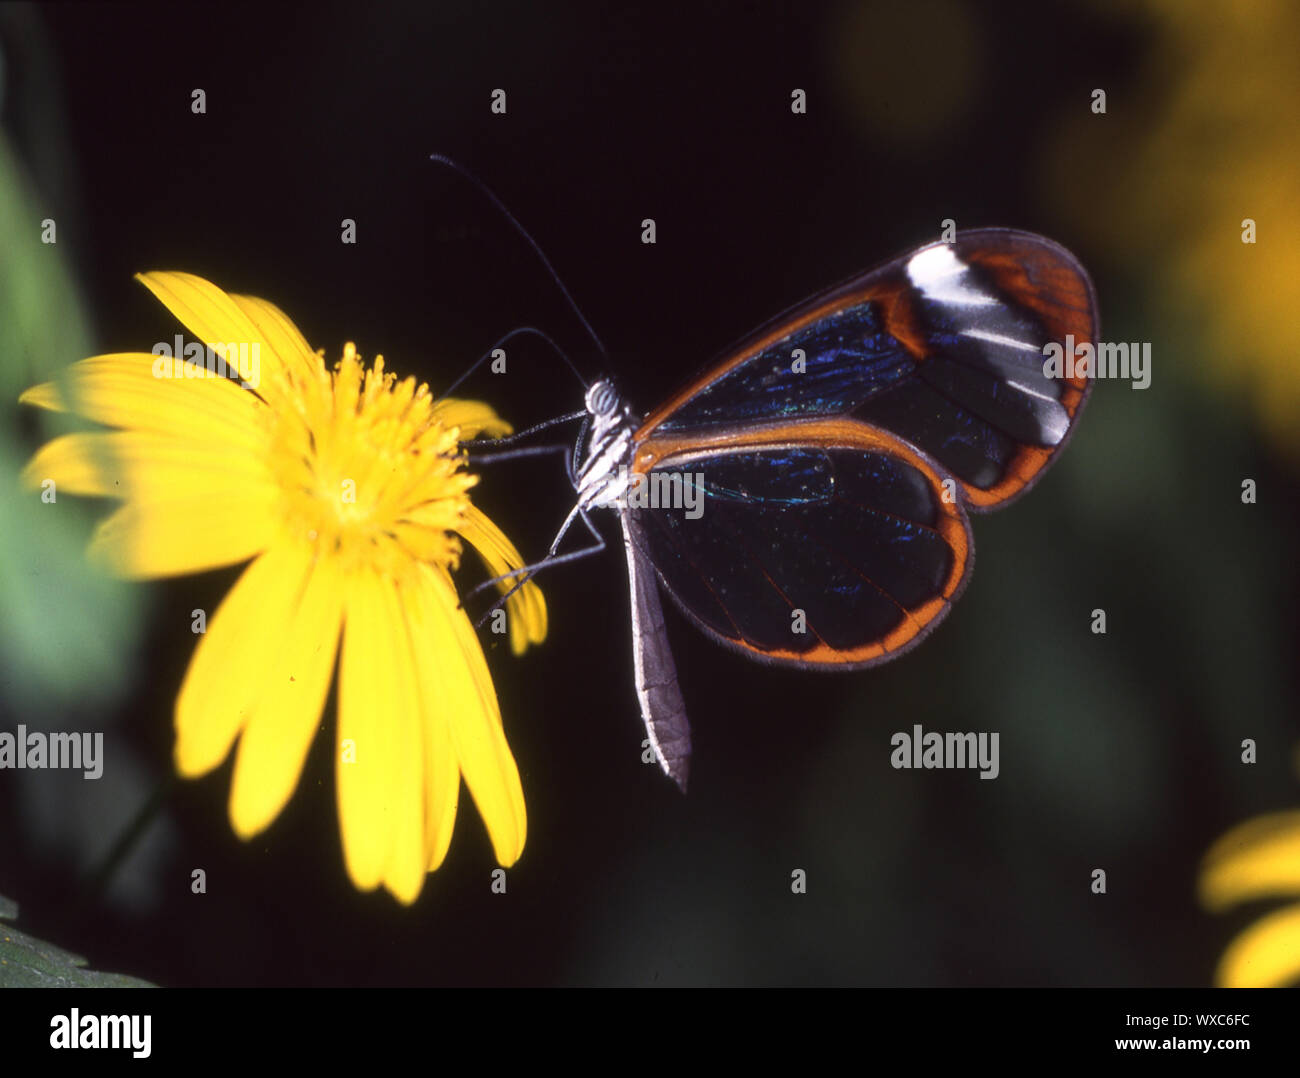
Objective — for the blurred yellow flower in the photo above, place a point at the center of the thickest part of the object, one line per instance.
(1259, 859)
(1203, 140)
(348, 490)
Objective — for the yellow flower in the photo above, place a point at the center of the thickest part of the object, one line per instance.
(1258, 859)
(348, 490)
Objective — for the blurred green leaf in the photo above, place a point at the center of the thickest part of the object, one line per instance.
(43, 326)
(67, 629)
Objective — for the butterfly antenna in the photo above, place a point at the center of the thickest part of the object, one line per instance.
(491, 196)
(518, 331)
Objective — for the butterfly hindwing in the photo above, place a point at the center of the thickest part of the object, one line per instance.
(838, 549)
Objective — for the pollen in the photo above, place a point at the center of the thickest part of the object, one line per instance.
(370, 475)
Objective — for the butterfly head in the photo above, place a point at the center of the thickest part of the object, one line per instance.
(603, 400)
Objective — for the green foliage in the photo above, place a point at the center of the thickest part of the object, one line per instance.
(27, 962)
(67, 629)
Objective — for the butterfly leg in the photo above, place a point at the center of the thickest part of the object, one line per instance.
(526, 572)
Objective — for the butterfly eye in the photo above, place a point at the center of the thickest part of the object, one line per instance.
(602, 400)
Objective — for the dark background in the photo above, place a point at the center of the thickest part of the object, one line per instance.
(1119, 752)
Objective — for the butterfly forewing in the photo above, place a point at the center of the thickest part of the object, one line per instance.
(943, 347)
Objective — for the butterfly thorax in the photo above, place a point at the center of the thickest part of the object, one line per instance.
(603, 476)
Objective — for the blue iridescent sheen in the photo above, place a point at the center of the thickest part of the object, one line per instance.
(849, 358)
(784, 476)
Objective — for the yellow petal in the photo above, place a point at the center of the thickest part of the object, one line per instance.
(287, 713)
(277, 330)
(472, 417)
(1266, 955)
(220, 320)
(1258, 859)
(288, 346)
(441, 770)
(232, 664)
(146, 466)
(527, 607)
(381, 754)
(445, 639)
(123, 390)
(187, 534)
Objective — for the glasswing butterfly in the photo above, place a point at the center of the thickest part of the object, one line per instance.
(835, 455)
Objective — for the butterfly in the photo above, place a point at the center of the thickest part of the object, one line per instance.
(806, 500)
